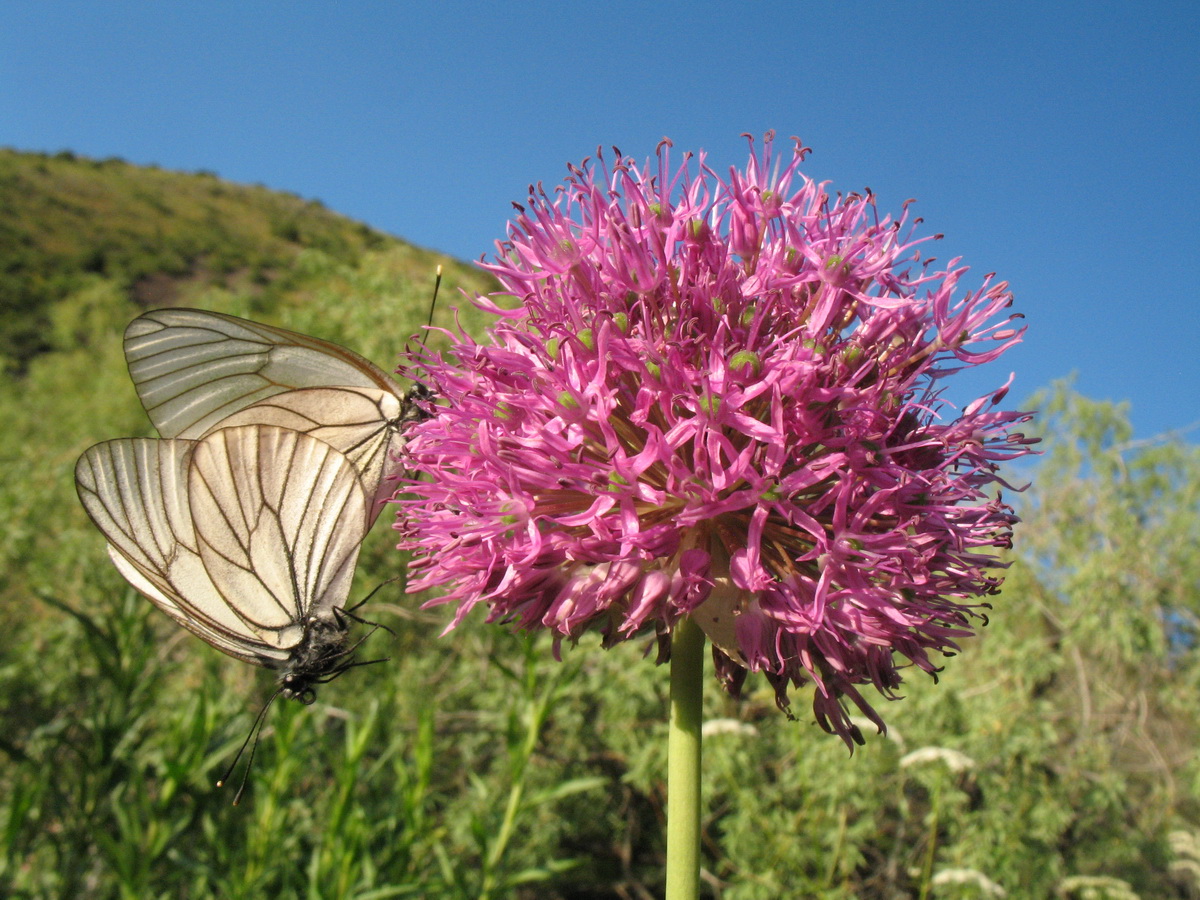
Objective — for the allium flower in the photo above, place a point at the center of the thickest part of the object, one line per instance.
(721, 399)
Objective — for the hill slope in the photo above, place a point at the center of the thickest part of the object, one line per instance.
(160, 238)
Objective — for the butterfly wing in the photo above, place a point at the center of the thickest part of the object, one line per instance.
(241, 537)
(361, 423)
(135, 491)
(279, 520)
(193, 368)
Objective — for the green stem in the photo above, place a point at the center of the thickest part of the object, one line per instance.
(683, 762)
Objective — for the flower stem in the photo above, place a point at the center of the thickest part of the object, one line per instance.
(683, 762)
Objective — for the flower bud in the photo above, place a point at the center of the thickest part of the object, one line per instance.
(746, 363)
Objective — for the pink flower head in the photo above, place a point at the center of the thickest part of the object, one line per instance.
(719, 398)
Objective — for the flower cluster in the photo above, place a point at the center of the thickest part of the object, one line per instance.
(720, 399)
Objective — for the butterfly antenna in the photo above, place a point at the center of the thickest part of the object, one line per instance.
(255, 731)
(437, 283)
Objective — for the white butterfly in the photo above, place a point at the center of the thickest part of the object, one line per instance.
(244, 523)
(247, 537)
(196, 371)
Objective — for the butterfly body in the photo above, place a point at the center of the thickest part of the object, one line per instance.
(323, 653)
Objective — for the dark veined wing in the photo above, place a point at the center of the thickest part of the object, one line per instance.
(361, 423)
(194, 368)
(247, 538)
(279, 520)
(135, 491)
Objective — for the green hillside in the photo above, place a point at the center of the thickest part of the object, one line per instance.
(72, 226)
(1055, 758)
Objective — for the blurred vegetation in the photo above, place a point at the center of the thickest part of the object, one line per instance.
(1054, 759)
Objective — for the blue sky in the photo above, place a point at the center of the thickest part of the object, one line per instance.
(1055, 144)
